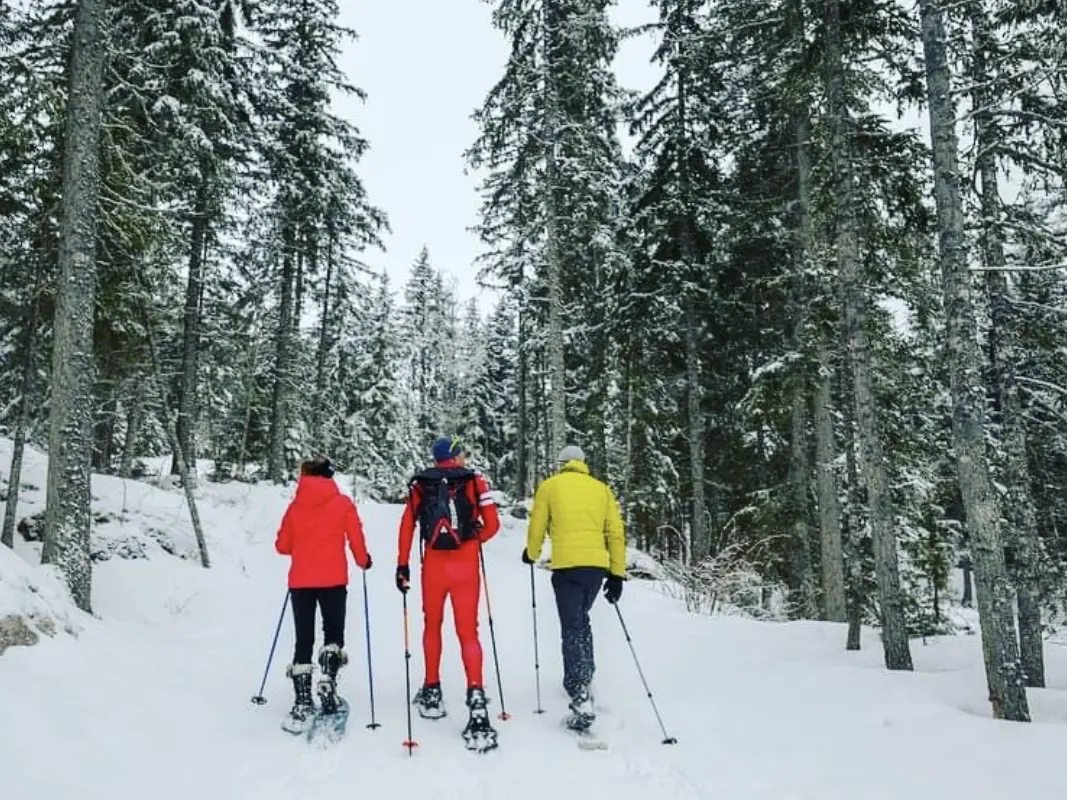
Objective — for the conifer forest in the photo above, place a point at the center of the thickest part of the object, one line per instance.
(803, 304)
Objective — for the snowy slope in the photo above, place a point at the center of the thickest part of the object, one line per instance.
(152, 697)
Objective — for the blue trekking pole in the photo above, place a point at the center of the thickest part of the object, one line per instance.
(370, 669)
(259, 699)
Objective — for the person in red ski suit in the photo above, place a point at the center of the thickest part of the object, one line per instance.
(317, 525)
(451, 571)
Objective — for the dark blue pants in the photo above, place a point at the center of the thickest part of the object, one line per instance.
(576, 589)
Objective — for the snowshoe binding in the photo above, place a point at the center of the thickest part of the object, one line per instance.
(302, 713)
(583, 714)
(479, 735)
(429, 701)
(331, 659)
(580, 719)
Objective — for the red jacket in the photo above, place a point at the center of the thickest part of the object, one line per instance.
(313, 534)
(487, 520)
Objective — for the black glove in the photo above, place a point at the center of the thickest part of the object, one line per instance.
(370, 562)
(613, 588)
(403, 578)
(526, 557)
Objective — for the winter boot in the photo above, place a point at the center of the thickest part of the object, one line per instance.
(331, 659)
(303, 710)
(479, 735)
(429, 702)
(583, 714)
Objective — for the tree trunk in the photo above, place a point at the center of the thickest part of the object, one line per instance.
(104, 427)
(872, 458)
(187, 390)
(7, 536)
(999, 644)
(1004, 356)
(521, 448)
(800, 571)
(695, 417)
(833, 574)
(171, 430)
(68, 517)
(276, 466)
(134, 415)
(968, 582)
(855, 589)
(320, 358)
(629, 459)
(555, 343)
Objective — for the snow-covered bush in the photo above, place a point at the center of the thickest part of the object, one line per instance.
(728, 582)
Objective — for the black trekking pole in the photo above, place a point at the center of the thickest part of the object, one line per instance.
(537, 659)
(492, 634)
(666, 739)
(259, 699)
(410, 742)
(370, 667)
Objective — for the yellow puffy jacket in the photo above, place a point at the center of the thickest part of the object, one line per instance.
(581, 516)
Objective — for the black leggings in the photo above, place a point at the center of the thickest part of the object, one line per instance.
(332, 601)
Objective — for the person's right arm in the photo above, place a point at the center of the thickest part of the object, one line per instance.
(407, 527)
(538, 529)
(615, 535)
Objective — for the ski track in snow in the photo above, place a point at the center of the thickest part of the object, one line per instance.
(153, 697)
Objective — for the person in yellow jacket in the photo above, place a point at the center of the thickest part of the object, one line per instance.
(581, 516)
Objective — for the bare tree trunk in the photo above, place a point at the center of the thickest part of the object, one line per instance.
(695, 418)
(276, 466)
(521, 448)
(7, 536)
(999, 644)
(187, 391)
(629, 460)
(68, 518)
(855, 590)
(832, 562)
(556, 346)
(320, 358)
(801, 583)
(1004, 356)
(872, 458)
(171, 429)
(134, 414)
(968, 583)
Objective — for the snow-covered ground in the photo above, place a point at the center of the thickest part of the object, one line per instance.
(151, 697)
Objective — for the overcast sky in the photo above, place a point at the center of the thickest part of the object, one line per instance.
(425, 66)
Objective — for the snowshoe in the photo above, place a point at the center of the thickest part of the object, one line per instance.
(300, 716)
(429, 701)
(329, 728)
(479, 735)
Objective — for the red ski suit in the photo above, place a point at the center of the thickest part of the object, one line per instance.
(314, 531)
(455, 573)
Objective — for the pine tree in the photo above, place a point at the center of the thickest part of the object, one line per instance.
(552, 195)
(310, 154)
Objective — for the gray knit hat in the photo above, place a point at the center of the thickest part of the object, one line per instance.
(571, 452)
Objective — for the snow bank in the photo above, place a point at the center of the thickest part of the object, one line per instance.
(33, 602)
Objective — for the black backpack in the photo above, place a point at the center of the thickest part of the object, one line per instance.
(446, 514)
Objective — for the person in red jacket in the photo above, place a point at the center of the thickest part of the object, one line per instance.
(454, 508)
(313, 533)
